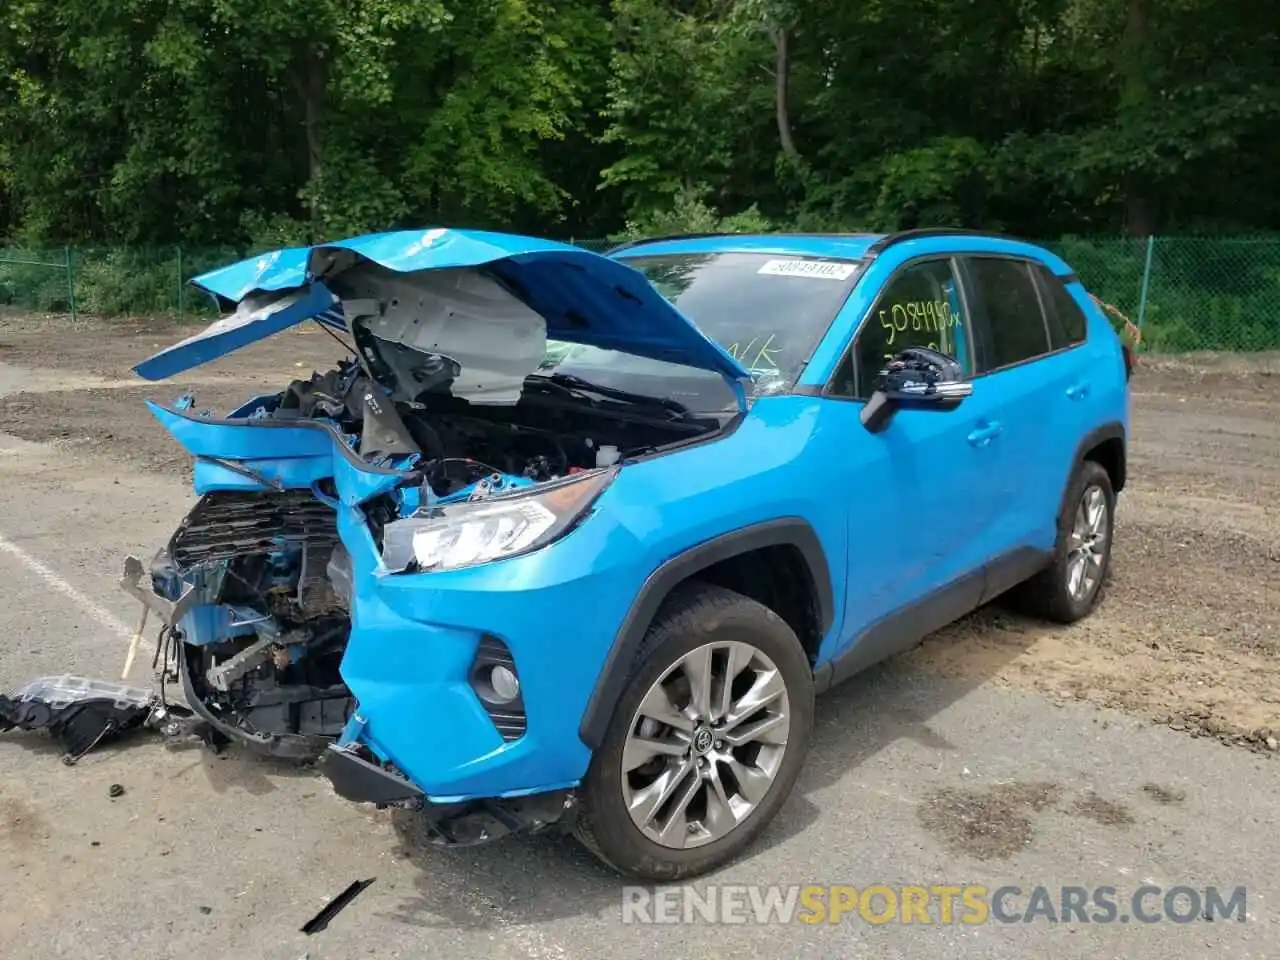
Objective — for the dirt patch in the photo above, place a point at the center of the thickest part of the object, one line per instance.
(110, 348)
(1167, 796)
(100, 405)
(1108, 813)
(991, 824)
(21, 827)
(1188, 631)
(114, 422)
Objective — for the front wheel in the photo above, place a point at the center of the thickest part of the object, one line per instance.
(706, 743)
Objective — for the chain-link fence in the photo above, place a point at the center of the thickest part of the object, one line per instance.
(1184, 293)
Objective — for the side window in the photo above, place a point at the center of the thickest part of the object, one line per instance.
(1016, 328)
(1066, 318)
(919, 308)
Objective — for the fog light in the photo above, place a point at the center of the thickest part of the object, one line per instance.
(504, 683)
(496, 684)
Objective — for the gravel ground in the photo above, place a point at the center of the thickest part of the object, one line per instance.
(1000, 752)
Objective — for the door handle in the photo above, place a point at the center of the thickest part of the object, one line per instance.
(1077, 391)
(984, 435)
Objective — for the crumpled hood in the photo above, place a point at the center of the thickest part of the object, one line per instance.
(577, 297)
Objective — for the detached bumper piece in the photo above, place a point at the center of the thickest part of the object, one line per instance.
(81, 712)
(361, 781)
(467, 824)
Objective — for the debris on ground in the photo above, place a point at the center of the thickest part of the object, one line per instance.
(115, 790)
(1162, 794)
(81, 712)
(335, 906)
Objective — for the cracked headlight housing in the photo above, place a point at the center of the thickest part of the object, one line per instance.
(466, 534)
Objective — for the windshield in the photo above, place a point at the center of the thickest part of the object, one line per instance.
(768, 311)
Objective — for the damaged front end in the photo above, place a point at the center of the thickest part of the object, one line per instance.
(247, 591)
(290, 609)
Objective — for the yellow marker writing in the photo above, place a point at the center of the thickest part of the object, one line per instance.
(764, 354)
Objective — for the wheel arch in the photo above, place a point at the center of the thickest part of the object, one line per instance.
(793, 533)
(1106, 446)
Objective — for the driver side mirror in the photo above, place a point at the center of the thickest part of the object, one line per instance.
(917, 378)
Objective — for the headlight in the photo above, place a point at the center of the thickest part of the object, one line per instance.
(465, 534)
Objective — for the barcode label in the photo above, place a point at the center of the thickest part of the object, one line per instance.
(813, 269)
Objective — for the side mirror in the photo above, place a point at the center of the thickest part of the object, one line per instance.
(916, 378)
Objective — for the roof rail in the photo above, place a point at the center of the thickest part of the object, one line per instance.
(876, 248)
(847, 235)
(671, 236)
(922, 233)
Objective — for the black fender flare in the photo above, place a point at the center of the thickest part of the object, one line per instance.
(786, 531)
(1114, 430)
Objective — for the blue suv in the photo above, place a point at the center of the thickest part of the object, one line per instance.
(572, 541)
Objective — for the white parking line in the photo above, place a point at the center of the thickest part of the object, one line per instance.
(100, 614)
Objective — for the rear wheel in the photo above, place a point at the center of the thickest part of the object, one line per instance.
(706, 743)
(1070, 589)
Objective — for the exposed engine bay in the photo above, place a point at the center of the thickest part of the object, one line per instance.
(266, 626)
(551, 432)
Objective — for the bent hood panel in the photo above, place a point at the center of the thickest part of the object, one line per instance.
(583, 297)
(294, 455)
(257, 316)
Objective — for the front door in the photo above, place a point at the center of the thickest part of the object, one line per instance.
(921, 493)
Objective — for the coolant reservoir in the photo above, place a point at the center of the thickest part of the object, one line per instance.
(607, 455)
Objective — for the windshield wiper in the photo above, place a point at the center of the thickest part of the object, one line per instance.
(581, 387)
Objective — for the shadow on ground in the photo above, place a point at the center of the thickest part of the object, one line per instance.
(537, 880)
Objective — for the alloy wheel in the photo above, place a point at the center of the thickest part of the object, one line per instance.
(705, 745)
(1087, 549)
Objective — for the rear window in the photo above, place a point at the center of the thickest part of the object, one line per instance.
(1067, 322)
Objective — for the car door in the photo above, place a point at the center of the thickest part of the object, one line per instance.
(1034, 374)
(920, 492)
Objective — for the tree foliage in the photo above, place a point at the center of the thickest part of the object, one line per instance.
(234, 122)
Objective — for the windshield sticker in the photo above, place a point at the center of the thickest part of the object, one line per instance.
(813, 269)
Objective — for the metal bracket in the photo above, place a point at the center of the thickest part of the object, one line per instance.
(222, 676)
(169, 612)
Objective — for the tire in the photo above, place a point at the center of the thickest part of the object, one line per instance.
(1049, 594)
(709, 834)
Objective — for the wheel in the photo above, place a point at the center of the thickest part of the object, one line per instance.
(706, 742)
(1070, 588)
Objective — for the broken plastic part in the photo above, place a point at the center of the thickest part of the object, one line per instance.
(335, 906)
(65, 690)
(79, 711)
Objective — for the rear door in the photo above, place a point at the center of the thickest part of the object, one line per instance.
(1033, 367)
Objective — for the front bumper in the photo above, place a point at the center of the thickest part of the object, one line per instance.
(462, 824)
(362, 781)
(416, 639)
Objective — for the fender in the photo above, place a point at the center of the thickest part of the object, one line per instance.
(786, 531)
(1113, 430)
